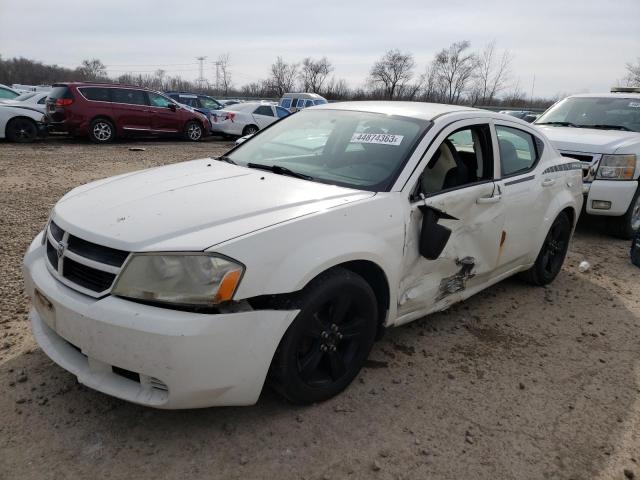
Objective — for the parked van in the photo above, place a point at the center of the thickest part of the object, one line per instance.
(107, 111)
(297, 101)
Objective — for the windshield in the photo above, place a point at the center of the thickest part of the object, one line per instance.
(353, 149)
(593, 112)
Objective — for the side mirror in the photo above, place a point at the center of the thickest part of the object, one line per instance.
(172, 107)
(433, 236)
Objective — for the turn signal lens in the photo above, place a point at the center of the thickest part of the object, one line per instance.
(228, 286)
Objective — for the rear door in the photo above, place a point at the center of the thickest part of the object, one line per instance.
(264, 116)
(164, 119)
(522, 189)
(130, 110)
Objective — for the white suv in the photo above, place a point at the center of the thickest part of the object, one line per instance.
(602, 131)
(185, 285)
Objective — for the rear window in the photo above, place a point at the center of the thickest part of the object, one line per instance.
(96, 93)
(129, 96)
(4, 93)
(61, 91)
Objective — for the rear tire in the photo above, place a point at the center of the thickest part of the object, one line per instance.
(329, 340)
(102, 130)
(249, 130)
(552, 254)
(21, 130)
(628, 224)
(193, 131)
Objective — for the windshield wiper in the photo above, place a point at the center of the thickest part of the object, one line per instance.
(277, 169)
(224, 158)
(562, 124)
(607, 127)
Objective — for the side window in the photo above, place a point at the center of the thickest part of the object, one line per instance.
(464, 158)
(43, 100)
(128, 95)
(285, 103)
(4, 93)
(157, 100)
(518, 152)
(308, 103)
(282, 112)
(190, 100)
(96, 94)
(300, 103)
(264, 110)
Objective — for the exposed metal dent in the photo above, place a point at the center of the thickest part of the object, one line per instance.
(458, 281)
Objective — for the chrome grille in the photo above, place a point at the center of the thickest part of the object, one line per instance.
(82, 265)
(589, 162)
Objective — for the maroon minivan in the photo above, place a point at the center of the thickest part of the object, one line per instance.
(106, 111)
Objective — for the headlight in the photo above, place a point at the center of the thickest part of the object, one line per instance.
(197, 279)
(617, 167)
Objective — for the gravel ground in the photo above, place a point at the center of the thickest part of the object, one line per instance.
(515, 383)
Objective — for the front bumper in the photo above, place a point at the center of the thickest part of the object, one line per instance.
(619, 192)
(152, 356)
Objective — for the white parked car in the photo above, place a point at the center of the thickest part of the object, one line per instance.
(245, 118)
(184, 285)
(602, 131)
(35, 100)
(22, 124)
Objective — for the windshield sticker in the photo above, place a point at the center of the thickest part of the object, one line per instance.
(377, 138)
(634, 104)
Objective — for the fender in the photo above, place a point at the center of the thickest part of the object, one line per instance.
(562, 200)
(285, 257)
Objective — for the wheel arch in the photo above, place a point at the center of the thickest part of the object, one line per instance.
(377, 279)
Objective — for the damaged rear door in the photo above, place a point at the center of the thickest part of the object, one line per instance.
(454, 186)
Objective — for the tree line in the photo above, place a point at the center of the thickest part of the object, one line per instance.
(456, 75)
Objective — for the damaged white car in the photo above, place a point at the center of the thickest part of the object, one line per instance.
(192, 284)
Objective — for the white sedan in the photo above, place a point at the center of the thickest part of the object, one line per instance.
(245, 118)
(22, 124)
(36, 100)
(183, 286)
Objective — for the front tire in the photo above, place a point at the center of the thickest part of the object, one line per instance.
(329, 340)
(552, 254)
(193, 131)
(628, 224)
(102, 130)
(22, 130)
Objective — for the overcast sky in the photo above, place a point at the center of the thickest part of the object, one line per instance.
(569, 45)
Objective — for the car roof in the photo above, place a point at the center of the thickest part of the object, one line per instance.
(421, 110)
(607, 95)
(303, 95)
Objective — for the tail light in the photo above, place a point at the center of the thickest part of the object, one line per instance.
(63, 102)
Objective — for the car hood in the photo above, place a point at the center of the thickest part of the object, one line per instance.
(190, 206)
(589, 140)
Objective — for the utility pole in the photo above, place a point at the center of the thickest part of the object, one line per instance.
(533, 85)
(201, 80)
(217, 64)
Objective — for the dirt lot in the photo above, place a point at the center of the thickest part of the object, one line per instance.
(516, 383)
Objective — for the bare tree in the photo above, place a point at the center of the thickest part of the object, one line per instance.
(223, 63)
(633, 74)
(283, 76)
(313, 73)
(92, 69)
(453, 69)
(492, 75)
(392, 73)
(337, 89)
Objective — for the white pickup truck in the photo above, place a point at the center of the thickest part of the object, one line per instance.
(602, 131)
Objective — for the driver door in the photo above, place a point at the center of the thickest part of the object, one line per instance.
(454, 184)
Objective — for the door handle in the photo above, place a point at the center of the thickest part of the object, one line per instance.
(486, 200)
(547, 182)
